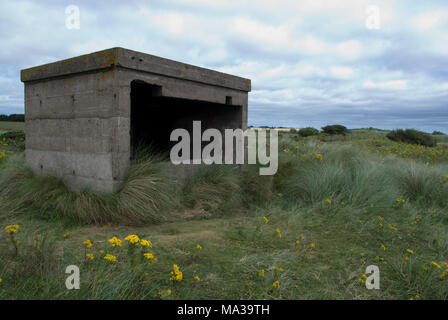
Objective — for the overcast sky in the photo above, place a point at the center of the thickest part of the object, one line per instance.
(311, 62)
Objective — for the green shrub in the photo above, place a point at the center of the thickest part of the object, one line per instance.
(335, 129)
(412, 136)
(438, 133)
(13, 135)
(308, 131)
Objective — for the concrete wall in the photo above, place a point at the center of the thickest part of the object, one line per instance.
(78, 111)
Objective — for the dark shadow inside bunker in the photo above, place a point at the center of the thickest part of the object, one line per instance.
(154, 117)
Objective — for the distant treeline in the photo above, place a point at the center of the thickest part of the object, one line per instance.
(12, 117)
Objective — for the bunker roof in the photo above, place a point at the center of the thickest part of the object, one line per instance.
(134, 60)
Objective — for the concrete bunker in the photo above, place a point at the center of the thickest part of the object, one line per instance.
(85, 117)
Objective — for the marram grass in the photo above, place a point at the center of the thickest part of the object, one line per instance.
(309, 232)
(148, 195)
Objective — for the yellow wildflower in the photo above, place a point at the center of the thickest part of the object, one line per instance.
(66, 235)
(278, 268)
(115, 241)
(435, 264)
(198, 246)
(176, 274)
(11, 229)
(410, 251)
(90, 256)
(276, 285)
(328, 201)
(383, 247)
(88, 243)
(110, 257)
(261, 273)
(278, 232)
(168, 292)
(265, 220)
(312, 245)
(150, 256)
(196, 277)
(146, 243)
(132, 239)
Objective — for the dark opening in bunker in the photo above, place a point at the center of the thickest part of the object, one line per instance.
(154, 117)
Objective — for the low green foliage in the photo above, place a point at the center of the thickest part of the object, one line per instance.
(412, 136)
(308, 131)
(335, 129)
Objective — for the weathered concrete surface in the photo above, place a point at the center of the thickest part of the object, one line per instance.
(78, 111)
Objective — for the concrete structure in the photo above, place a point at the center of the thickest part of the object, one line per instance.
(86, 116)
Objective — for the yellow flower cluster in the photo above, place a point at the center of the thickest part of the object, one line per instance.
(146, 243)
(11, 229)
(176, 274)
(363, 278)
(278, 269)
(278, 232)
(276, 285)
(115, 241)
(132, 239)
(405, 150)
(110, 257)
(88, 243)
(150, 256)
(90, 256)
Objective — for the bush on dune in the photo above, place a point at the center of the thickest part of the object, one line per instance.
(412, 136)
